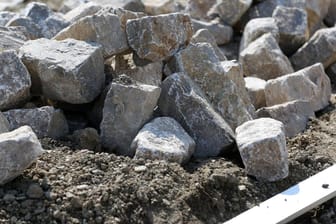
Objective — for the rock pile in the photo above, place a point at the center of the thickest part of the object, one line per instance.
(157, 79)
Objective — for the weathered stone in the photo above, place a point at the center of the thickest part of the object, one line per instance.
(69, 5)
(164, 139)
(81, 11)
(310, 83)
(182, 100)
(128, 106)
(35, 191)
(45, 121)
(264, 59)
(321, 47)
(11, 39)
(255, 28)
(230, 11)
(18, 150)
(4, 125)
(294, 115)
(157, 37)
(198, 9)
(330, 19)
(256, 90)
(262, 147)
(293, 28)
(87, 138)
(12, 5)
(104, 29)
(317, 10)
(132, 5)
(222, 33)
(33, 29)
(71, 71)
(157, 7)
(15, 81)
(5, 16)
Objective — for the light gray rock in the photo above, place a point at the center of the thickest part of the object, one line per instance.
(18, 150)
(131, 5)
(230, 11)
(294, 115)
(157, 7)
(87, 9)
(4, 124)
(45, 121)
(222, 33)
(104, 29)
(198, 9)
(310, 83)
(15, 81)
(293, 28)
(5, 16)
(11, 38)
(264, 59)
(71, 71)
(321, 47)
(128, 106)
(87, 138)
(183, 100)
(32, 28)
(256, 90)
(317, 10)
(262, 147)
(157, 37)
(163, 138)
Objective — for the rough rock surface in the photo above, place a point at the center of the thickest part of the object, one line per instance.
(81, 11)
(132, 5)
(331, 16)
(32, 28)
(262, 146)
(71, 71)
(18, 150)
(5, 16)
(4, 125)
(11, 39)
(310, 84)
(163, 138)
(182, 100)
(45, 121)
(198, 9)
(87, 138)
(128, 106)
(157, 7)
(317, 11)
(256, 90)
(157, 37)
(264, 59)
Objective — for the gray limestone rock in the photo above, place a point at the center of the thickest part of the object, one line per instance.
(33, 29)
(198, 9)
(163, 138)
(11, 38)
(87, 9)
(222, 33)
(4, 124)
(157, 7)
(131, 5)
(256, 90)
(317, 10)
(71, 71)
(5, 16)
(87, 138)
(262, 147)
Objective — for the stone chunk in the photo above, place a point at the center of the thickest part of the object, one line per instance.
(262, 147)
(4, 125)
(198, 9)
(32, 28)
(264, 59)
(87, 138)
(294, 115)
(131, 5)
(71, 71)
(311, 84)
(317, 10)
(157, 7)
(5, 16)
(157, 37)
(18, 150)
(182, 100)
(87, 9)
(222, 33)
(321, 47)
(164, 139)
(45, 121)
(256, 90)
(128, 106)
(11, 38)
(15, 81)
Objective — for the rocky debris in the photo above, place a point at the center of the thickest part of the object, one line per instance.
(221, 32)
(131, 5)
(157, 37)
(18, 150)
(32, 28)
(157, 7)
(87, 9)
(321, 47)
(256, 90)
(34, 191)
(71, 71)
(163, 138)
(294, 115)
(87, 138)
(293, 28)
(11, 38)
(45, 121)
(4, 124)
(310, 83)
(182, 100)
(273, 64)
(317, 10)
(128, 106)
(198, 9)
(5, 16)
(15, 81)
(262, 146)
(230, 11)
(255, 28)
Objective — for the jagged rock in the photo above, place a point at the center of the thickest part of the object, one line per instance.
(321, 47)
(182, 100)
(222, 33)
(164, 139)
(104, 29)
(256, 90)
(158, 37)
(132, 5)
(45, 121)
(71, 71)
(32, 28)
(264, 59)
(294, 115)
(4, 125)
(81, 11)
(230, 11)
(310, 83)
(5, 16)
(198, 9)
(330, 19)
(157, 7)
(293, 28)
(15, 81)
(317, 10)
(18, 150)
(87, 138)
(11, 38)
(128, 106)
(262, 147)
